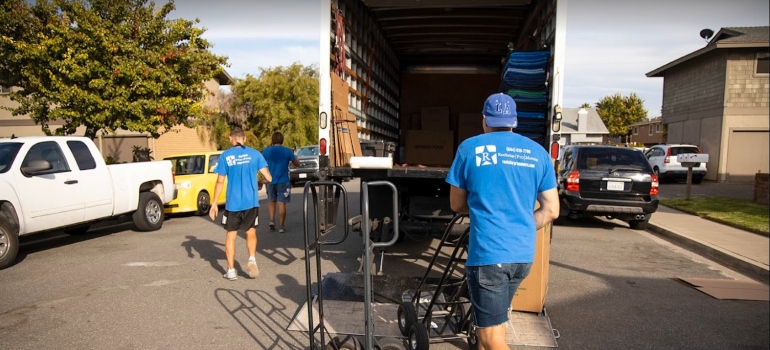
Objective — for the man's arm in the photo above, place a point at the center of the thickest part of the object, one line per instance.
(266, 175)
(217, 191)
(295, 161)
(549, 207)
(458, 200)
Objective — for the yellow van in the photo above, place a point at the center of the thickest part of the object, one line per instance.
(195, 181)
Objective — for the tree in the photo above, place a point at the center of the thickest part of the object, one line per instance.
(585, 105)
(281, 99)
(104, 64)
(618, 112)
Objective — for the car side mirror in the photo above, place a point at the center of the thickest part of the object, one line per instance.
(34, 167)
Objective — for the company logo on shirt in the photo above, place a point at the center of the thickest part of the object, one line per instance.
(239, 159)
(486, 155)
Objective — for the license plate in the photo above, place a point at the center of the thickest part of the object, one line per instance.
(302, 176)
(615, 186)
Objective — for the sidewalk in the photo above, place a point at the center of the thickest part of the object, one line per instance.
(745, 252)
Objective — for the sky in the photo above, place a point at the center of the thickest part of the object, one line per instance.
(611, 44)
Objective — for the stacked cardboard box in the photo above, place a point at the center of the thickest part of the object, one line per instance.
(532, 291)
(345, 132)
(433, 144)
(468, 125)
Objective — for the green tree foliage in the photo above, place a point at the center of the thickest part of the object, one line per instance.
(283, 98)
(104, 64)
(585, 105)
(618, 112)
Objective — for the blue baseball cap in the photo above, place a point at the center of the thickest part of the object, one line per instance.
(500, 111)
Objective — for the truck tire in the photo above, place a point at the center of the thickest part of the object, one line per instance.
(149, 214)
(9, 244)
(203, 202)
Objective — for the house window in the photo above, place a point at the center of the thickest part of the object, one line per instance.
(4, 90)
(636, 130)
(651, 129)
(762, 66)
(657, 127)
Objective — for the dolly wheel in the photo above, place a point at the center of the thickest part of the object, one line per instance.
(389, 344)
(418, 337)
(407, 316)
(346, 342)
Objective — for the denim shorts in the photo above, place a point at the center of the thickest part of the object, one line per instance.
(491, 288)
(279, 192)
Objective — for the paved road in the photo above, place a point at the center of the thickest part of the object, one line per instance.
(610, 288)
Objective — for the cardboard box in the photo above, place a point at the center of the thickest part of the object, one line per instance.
(429, 147)
(532, 291)
(468, 125)
(434, 118)
(340, 93)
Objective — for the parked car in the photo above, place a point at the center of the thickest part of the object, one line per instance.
(308, 165)
(195, 182)
(662, 158)
(63, 182)
(613, 182)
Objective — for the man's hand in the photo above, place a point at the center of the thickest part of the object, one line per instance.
(213, 211)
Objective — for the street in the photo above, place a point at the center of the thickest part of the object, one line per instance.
(113, 288)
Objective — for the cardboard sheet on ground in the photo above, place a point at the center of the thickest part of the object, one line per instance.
(729, 289)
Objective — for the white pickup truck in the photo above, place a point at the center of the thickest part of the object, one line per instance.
(62, 182)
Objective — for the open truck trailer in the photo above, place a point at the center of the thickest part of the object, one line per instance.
(407, 79)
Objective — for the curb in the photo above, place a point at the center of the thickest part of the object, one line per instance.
(737, 263)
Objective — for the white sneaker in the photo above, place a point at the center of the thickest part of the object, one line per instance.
(282, 230)
(272, 226)
(253, 269)
(231, 275)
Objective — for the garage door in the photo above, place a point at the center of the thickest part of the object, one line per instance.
(747, 154)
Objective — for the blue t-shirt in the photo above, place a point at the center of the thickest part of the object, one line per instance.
(503, 172)
(240, 165)
(278, 159)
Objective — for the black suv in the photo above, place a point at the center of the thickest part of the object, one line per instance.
(609, 181)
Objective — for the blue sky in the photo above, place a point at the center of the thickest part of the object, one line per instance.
(611, 44)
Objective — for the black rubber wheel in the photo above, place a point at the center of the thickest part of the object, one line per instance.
(80, 230)
(418, 337)
(149, 214)
(407, 316)
(347, 342)
(204, 203)
(389, 344)
(9, 244)
(697, 180)
(638, 224)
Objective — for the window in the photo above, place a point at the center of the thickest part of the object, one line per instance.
(82, 154)
(657, 127)
(762, 66)
(636, 130)
(651, 130)
(50, 152)
(213, 161)
(4, 90)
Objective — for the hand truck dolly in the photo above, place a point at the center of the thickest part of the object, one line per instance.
(322, 224)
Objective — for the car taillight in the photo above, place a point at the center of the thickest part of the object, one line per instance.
(322, 147)
(654, 185)
(573, 181)
(668, 156)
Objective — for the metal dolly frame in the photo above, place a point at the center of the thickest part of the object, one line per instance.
(343, 342)
(453, 312)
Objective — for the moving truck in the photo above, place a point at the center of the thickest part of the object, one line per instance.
(406, 80)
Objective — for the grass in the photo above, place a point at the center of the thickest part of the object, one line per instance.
(739, 213)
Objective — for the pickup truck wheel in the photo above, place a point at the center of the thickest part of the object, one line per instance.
(638, 224)
(149, 214)
(204, 203)
(9, 244)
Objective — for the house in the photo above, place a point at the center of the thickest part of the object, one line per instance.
(718, 97)
(119, 146)
(648, 132)
(582, 126)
